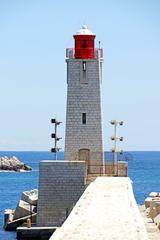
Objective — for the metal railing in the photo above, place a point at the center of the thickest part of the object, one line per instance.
(70, 52)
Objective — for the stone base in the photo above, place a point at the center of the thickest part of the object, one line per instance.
(35, 233)
(61, 183)
(12, 225)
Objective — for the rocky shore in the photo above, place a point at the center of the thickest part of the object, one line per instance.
(152, 205)
(26, 209)
(150, 212)
(13, 164)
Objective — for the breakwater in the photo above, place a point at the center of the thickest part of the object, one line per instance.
(106, 210)
(143, 168)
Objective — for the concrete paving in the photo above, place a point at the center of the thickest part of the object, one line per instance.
(106, 211)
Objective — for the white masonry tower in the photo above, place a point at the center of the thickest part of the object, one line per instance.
(84, 135)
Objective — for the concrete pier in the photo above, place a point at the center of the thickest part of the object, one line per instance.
(107, 210)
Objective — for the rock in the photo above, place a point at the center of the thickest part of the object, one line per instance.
(147, 211)
(147, 202)
(154, 194)
(12, 225)
(154, 209)
(27, 168)
(23, 209)
(152, 213)
(13, 164)
(26, 208)
(30, 197)
(8, 216)
(157, 220)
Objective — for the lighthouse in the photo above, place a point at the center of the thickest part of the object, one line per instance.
(61, 183)
(83, 132)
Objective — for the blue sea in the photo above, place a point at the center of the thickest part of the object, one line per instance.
(144, 170)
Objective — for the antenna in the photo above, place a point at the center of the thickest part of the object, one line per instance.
(84, 22)
(99, 44)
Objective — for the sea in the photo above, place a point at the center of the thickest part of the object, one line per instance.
(143, 169)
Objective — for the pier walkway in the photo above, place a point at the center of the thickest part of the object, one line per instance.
(106, 211)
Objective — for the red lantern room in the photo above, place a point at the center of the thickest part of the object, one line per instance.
(84, 44)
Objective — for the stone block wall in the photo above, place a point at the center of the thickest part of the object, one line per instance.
(84, 96)
(61, 183)
(122, 169)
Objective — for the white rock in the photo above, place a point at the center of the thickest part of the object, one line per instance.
(23, 209)
(12, 164)
(157, 220)
(30, 197)
(154, 194)
(147, 202)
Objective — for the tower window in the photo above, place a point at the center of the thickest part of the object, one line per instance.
(83, 72)
(84, 66)
(84, 44)
(83, 118)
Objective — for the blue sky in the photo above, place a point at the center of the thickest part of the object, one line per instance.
(34, 35)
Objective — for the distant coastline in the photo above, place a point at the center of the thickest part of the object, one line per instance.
(13, 164)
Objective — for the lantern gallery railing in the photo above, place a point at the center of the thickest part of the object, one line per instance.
(70, 52)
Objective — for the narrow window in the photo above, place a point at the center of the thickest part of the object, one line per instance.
(83, 72)
(83, 118)
(84, 44)
(84, 66)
